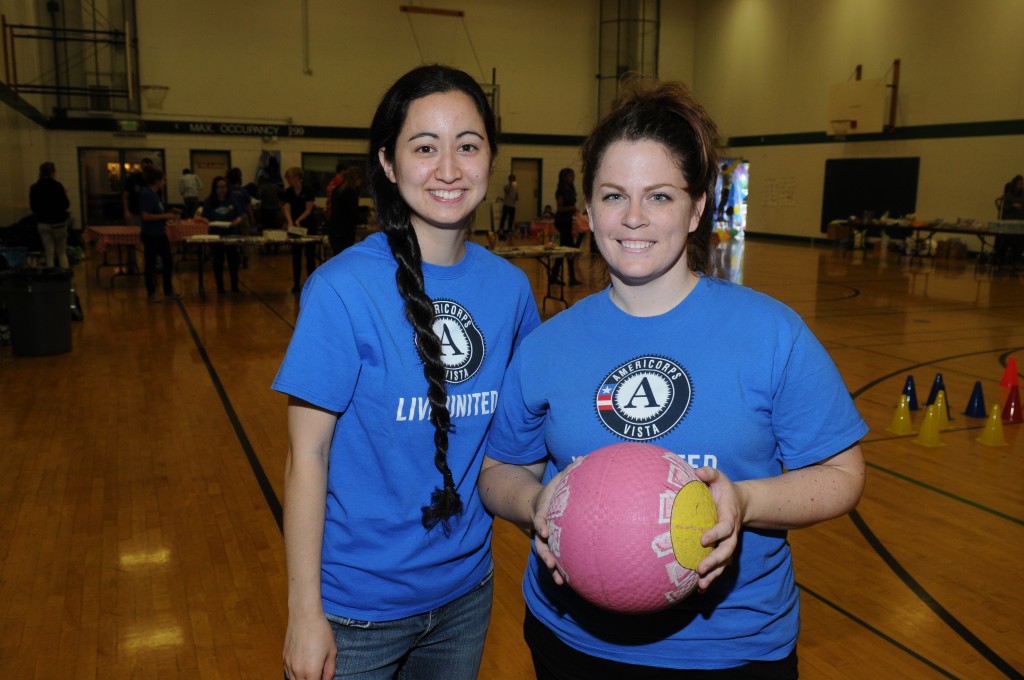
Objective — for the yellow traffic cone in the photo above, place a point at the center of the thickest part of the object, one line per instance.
(992, 435)
(941, 411)
(901, 424)
(929, 435)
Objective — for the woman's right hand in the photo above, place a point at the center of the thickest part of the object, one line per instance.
(309, 649)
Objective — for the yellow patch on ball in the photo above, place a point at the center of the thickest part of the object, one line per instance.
(693, 513)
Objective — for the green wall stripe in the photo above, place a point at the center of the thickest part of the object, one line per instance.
(994, 128)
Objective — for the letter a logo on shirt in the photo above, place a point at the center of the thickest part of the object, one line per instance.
(462, 343)
(644, 398)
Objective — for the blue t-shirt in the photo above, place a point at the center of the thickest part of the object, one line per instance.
(353, 352)
(227, 210)
(729, 378)
(149, 202)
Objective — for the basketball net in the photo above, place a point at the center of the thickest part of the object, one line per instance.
(154, 96)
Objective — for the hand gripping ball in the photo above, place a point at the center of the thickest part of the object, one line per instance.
(625, 525)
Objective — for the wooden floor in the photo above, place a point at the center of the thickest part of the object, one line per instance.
(140, 481)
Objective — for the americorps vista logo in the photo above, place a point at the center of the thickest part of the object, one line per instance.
(462, 343)
(644, 398)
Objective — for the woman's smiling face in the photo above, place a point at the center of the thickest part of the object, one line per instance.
(442, 161)
(642, 215)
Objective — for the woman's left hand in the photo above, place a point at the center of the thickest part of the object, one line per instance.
(725, 534)
(540, 527)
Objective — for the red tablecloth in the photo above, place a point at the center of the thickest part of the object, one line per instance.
(102, 237)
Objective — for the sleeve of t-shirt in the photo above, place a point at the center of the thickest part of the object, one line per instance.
(517, 431)
(813, 414)
(321, 364)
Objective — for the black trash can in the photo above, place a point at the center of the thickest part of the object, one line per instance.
(38, 307)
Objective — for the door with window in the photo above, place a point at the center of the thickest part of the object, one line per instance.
(207, 165)
(102, 173)
(528, 179)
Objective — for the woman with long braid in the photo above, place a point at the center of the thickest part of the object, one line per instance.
(393, 373)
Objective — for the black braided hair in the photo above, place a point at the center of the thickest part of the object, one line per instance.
(394, 216)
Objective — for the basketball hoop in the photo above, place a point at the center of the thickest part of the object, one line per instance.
(154, 96)
(840, 128)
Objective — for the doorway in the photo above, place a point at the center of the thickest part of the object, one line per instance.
(101, 175)
(528, 179)
(208, 165)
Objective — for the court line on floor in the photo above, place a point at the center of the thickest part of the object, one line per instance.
(864, 624)
(269, 495)
(960, 629)
(876, 544)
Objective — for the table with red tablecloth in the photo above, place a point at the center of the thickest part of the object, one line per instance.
(125, 239)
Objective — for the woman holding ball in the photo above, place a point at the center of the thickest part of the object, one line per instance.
(769, 425)
(392, 374)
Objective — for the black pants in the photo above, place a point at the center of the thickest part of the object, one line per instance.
(564, 228)
(218, 252)
(309, 249)
(154, 246)
(507, 214)
(555, 660)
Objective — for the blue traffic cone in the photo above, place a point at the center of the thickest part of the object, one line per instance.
(976, 405)
(938, 386)
(911, 392)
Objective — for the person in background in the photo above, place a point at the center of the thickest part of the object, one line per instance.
(297, 203)
(565, 217)
(336, 181)
(775, 436)
(221, 207)
(155, 243)
(396, 360)
(269, 195)
(508, 208)
(344, 217)
(134, 185)
(244, 201)
(189, 186)
(49, 204)
(1008, 247)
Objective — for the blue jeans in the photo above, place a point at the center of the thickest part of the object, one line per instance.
(446, 643)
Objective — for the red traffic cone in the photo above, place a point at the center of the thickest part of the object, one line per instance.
(1011, 412)
(1010, 377)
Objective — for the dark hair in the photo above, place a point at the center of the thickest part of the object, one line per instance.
(394, 216)
(212, 198)
(47, 169)
(234, 176)
(666, 113)
(152, 175)
(563, 175)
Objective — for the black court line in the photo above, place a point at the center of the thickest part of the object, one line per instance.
(864, 624)
(1007, 351)
(960, 629)
(947, 494)
(257, 469)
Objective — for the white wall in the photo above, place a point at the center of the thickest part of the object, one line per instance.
(761, 67)
(764, 67)
(544, 54)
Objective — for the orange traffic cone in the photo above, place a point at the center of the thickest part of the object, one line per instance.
(929, 435)
(941, 410)
(1011, 411)
(992, 435)
(901, 424)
